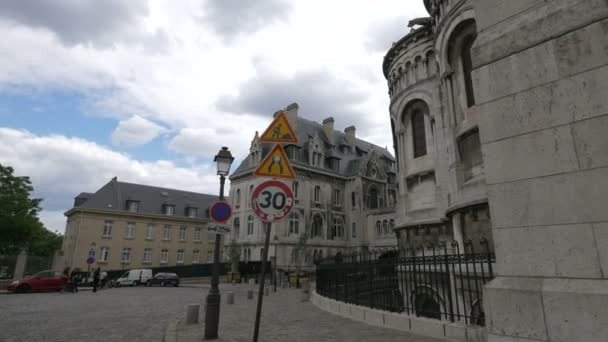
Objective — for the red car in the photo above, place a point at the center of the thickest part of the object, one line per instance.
(41, 281)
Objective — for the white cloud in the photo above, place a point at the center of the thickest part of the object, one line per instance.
(136, 131)
(61, 167)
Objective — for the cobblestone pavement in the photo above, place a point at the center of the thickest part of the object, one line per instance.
(286, 318)
(142, 314)
(120, 314)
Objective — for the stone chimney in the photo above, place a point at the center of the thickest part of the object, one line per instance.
(328, 128)
(350, 135)
(291, 113)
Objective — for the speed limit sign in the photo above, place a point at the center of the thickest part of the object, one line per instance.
(272, 201)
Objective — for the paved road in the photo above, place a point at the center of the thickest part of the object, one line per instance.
(121, 314)
(142, 314)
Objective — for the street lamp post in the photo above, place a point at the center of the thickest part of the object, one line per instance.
(212, 313)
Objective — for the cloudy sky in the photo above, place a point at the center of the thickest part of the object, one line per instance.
(149, 90)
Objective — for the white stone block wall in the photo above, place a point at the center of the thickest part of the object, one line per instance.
(541, 85)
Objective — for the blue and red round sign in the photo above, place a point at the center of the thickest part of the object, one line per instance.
(220, 212)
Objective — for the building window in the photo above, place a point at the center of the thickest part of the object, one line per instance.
(317, 194)
(107, 229)
(126, 255)
(392, 224)
(353, 201)
(196, 256)
(250, 225)
(385, 227)
(104, 256)
(237, 198)
(250, 193)
(373, 198)
(236, 225)
(180, 256)
(378, 228)
(150, 232)
(418, 133)
(147, 255)
(294, 224)
(467, 68)
(167, 232)
(169, 209)
(317, 226)
(182, 233)
(197, 234)
(164, 256)
(338, 228)
(337, 199)
(294, 186)
(469, 147)
(209, 256)
(192, 212)
(130, 230)
(354, 230)
(133, 206)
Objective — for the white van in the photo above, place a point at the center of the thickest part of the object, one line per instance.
(134, 277)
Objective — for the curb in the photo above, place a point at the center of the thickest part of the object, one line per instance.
(170, 334)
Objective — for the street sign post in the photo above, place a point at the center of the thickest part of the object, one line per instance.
(276, 165)
(218, 228)
(220, 212)
(279, 131)
(90, 260)
(272, 201)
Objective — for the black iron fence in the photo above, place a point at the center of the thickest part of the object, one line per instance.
(442, 281)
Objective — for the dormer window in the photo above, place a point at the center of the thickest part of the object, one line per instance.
(168, 209)
(133, 206)
(191, 212)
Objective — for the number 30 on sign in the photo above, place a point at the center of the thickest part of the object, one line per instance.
(272, 201)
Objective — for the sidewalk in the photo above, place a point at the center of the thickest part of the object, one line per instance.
(284, 318)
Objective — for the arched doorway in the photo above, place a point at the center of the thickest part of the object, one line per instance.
(427, 303)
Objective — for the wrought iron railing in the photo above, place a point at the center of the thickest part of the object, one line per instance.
(439, 281)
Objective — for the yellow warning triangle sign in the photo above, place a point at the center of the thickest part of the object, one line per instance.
(279, 131)
(276, 164)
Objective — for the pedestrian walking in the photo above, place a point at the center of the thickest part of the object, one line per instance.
(74, 279)
(96, 276)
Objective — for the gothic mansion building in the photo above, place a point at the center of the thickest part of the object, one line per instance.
(345, 195)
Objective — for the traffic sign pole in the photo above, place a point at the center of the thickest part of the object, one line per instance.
(258, 312)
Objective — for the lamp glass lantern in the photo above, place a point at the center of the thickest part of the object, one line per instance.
(223, 159)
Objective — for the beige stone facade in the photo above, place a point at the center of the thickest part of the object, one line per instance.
(344, 188)
(134, 226)
(85, 228)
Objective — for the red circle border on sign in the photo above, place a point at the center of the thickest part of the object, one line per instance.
(218, 203)
(254, 203)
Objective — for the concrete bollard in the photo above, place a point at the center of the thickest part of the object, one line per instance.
(305, 290)
(266, 291)
(230, 298)
(192, 313)
(249, 294)
(251, 281)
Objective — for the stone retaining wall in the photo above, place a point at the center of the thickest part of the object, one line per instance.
(416, 325)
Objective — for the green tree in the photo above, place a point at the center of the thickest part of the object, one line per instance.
(19, 223)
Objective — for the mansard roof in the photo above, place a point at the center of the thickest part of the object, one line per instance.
(113, 196)
(349, 160)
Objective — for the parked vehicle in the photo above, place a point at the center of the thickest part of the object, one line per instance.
(42, 281)
(164, 279)
(134, 277)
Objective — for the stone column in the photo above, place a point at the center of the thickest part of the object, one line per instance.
(541, 85)
(20, 265)
(457, 228)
